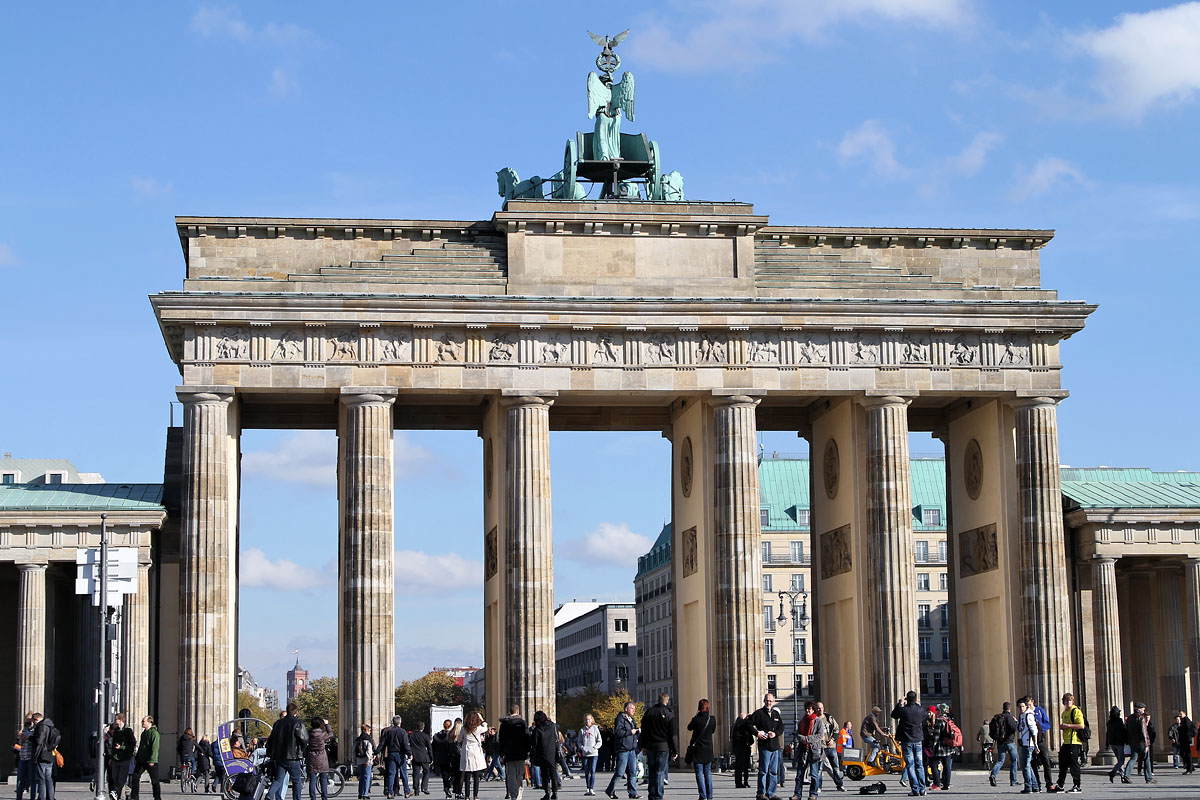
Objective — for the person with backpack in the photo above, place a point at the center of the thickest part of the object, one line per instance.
(1027, 738)
(830, 761)
(124, 744)
(45, 743)
(364, 758)
(809, 754)
(146, 759)
(1070, 754)
(1003, 728)
(946, 744)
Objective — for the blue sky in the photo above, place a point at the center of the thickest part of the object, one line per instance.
(1076, 116)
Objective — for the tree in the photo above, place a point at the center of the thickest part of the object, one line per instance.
(414, 698)
(246, 700)
(604, 707)
(320, 699)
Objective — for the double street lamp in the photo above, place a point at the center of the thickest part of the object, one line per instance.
(797, 600)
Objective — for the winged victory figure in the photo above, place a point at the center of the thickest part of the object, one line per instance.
(606, 100)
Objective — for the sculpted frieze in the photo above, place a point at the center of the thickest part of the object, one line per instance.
(607, 348)
(343, 345)
(712, 349)
(913, 349)
(394, 345)
(964, 351)
(289, 346)
(556, 349)
(864, 348)
(1012, 350)
(503, 347)
(659, 348)
(233, 343)
(448, 347)
(813, 349)
(762, 348)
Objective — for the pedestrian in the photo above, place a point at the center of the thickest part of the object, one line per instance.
(871, 729)
(394, 751)
(1187, 735)
(419, 745)
(204, 759)
(445, 757)
(984, 737)
(45, 743)
(185, 748)
(741, 739)
(1173, 738)
(26, 766)
(589, 749)
(285, 747)
(809, 753)
(316, 758)
(845, 739)
(544, 753)
(830, 761)
(513, 741)
(767, 726)
(491, 752)
(1070, 752)
(124, 745)
(1116, 738)
(1003, 728)
(625, 746)
(700, 748)
(1041, 757)
(943, 748)
(909, 718)
(472, 761)
(1141, 740)
(1027, 739)
(657, 742)
(364, 758)
(145, 760)
(563, 758)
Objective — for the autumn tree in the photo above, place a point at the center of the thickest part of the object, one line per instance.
(414, 698)
(320, 699)
(601, 705)
(247, 700)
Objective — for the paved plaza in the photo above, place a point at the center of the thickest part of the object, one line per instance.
(967, 783)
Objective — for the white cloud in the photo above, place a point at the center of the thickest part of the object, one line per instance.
(310, 457)
(256, 570)
(1146, 59)
(974, 155)
(223, 23)
(747, 33)
(870, 142)
(149, 187)
(419, 573)
(1045, 176)
(609, 544)
(7, 257)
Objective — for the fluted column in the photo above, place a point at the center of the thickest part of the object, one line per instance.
(367, 554)
(135, 648)
(31, 640)
(529, 550)
(1106, 626)
(1172, 683)
(892, 601)
(1045, 629)
(1191, 629)
(206, 562)
(740, 666)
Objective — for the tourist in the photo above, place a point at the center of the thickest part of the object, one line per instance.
(625, 746)
(1187, 734)
(124, 745)
(563, 757)
(471, 760)
(986, 743)
(185, 748)
(1004, 731)
(700, 749)
(658, 743)
(1141, 740)
(316, 758)
(285, 748)
(1070, 752)
(204, 759)
(1173, 738)
(145, 760)
(871, 730)
(491, 753)
(589, 749)
(829, 755)
(544, 753)
(445, 758)
(26, 766)
(513, 740)
(393, 751)
(767, 726)
(909, 717)
(364, 759)
(45, 740)
(809, 756)
(943, 749)
(1116, 738)
(1041, 758)
(1027, 740)
(418, 745)
(741, 739)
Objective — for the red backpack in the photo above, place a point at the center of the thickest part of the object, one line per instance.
(953, 735)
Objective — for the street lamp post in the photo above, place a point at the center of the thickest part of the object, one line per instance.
(798, 604)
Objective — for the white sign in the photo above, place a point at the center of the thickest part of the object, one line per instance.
(122, 572)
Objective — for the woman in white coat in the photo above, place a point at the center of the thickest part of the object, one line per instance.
(589, 748)
(471, 761)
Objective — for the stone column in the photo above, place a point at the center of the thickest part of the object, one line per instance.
(31, 640)
(1045, 629)
(1191, 630)
(367, 553)
(135, 649)
(740, 664)
(529, 552)
(892, 602)
(1106, 626)
(207, 561)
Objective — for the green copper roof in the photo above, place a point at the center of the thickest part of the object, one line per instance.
(82, 497)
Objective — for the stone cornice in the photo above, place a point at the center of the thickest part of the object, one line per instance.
(983, 238)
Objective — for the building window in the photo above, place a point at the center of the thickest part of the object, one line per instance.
(923, 615)
(766, 552)
(767, 582)
(770, 653)
(922, 552)
(944, 611)
(771, 684)
(799, 688)
(943, 581)
(54, 477)
(924, 683)
(931, 517)
(9, 478)
(945, 648)
(622, 673)
(764, 517)
(769, 618)
(803, 516)
(800, 651)
(797, 552)
(942, 552)
(797, 581)
(621, 625)
(622, 648)
(922, 581)
(923, 648)
(937, 683)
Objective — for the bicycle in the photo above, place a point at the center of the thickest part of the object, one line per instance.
(989, 756)
(337, 781)
(187, 780)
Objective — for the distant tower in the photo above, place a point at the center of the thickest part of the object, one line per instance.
(297, 680)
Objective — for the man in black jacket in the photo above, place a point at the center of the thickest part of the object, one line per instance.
(741, 739)
(285, 746)
(767, 726)
(513, 740)
(658, 743)
(419, 746)
(393, 746)
(1141, 739)
(45, 738)
(1003, 729)
(625, 746)
(910, 733)
(1185, 736)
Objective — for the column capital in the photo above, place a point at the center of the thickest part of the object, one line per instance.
(521, 398)
(368, 395)
(33, 567)
(722, 398)
(888, 400)
(205, 395)
(1192, 561)
(1037, 399)
(1101, 560)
